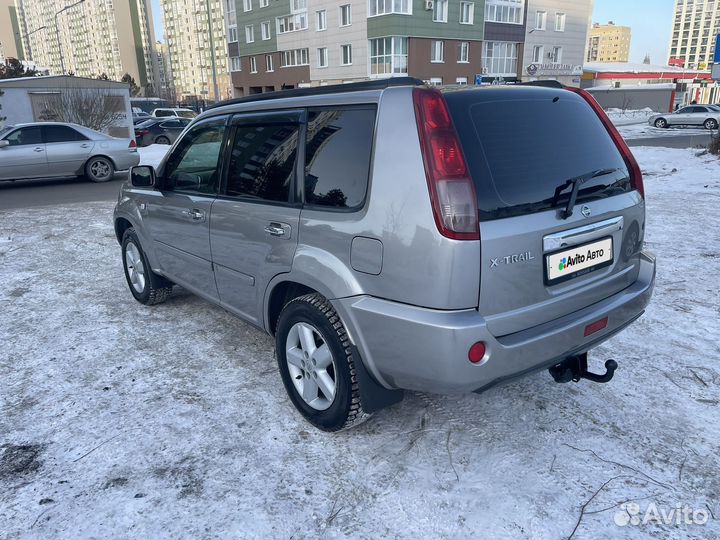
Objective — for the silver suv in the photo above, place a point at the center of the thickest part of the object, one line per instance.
(392, 237)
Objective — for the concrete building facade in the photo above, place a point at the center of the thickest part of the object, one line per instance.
(609, 43)
(88, 38)
(695, 25)
(557, 35)
(195, 38)
(10, 35)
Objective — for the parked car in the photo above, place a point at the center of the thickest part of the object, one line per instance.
(139, 117)
(693, 115)
(160, 131)
(176, 111)
(392, 237)
(56, 150)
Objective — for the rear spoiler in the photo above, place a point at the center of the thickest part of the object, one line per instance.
(546, 84)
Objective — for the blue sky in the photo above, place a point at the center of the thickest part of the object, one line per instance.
(650, 21)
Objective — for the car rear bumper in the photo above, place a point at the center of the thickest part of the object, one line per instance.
(125, 161)
(426, 350)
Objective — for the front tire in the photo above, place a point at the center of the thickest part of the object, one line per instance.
(145, 285)
(317, 364)
(710, 123)
(661, 123)
(99, 169)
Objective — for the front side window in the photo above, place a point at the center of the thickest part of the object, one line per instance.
(440, 10)
(262, 162)
(26, 135)
(337, 156)
(437, 51)
(193, 165)
(345, 15)
(388, 56)
(56, 134)
(467, 12)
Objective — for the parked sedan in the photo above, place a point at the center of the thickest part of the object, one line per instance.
(160, 130)
(180, 112)
(694, 115)
(58, 150)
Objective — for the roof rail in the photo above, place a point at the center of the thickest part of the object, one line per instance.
(379, 84)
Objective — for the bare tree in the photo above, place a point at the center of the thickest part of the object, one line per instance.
(95, 108)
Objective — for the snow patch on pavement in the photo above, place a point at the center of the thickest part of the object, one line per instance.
(120, 420)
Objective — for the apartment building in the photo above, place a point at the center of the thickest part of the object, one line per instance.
(197, 49)
(557, 35)
(276, 44)
(90, 38)
(609, 43)
(10, 40)
(692, 43)
(165, 87)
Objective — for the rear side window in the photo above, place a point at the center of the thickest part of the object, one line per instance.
(54, 134)
(520, 146)
(337, 156)
(262, 162)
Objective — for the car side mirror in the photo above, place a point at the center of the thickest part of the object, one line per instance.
(142, 176)
(4, 143)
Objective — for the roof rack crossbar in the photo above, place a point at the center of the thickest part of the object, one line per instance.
(379, 84)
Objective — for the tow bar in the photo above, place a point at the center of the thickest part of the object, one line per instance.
(574, 368)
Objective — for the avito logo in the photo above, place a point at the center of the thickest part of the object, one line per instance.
(568, 262)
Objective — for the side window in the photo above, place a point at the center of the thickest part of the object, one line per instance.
(163, 113)
(262, 161)
(194, 163)
(337, 156)
(26, 135)
(54, 134)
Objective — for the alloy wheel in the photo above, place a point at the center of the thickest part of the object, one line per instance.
(311, 366)
(135, 267)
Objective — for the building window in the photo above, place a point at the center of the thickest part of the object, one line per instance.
(269, 63)
(559, 22)
(265, 30)
(437, 51)
(247, 5)
(540, 20)
(232, 34)
(322, 57)
(298, 5)
(295, 57)
(321, 20)
(500, 58)
(385, 7)
(345, 15)
(249, 34)
(440, 11)
(264, 3)
(346, 53)
(467, 12)
(292, 23)
(556, 57)
(435, 81)
(464, 52)
(389, 56)
(235, 63)
(537, 54)
(504, 11)
(253, 65)
(462, 81)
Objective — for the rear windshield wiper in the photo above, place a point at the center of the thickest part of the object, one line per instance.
(576, 183)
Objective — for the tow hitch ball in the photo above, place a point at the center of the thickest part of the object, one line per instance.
(574, 368)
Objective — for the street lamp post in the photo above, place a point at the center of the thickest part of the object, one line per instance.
(27, 41)
(57, 33)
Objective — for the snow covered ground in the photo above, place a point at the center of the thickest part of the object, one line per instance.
(628, 117)
(646, 131)
(119, 420)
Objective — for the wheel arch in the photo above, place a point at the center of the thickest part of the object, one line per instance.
(121, 224)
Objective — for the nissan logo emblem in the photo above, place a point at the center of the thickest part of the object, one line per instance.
(586, 211)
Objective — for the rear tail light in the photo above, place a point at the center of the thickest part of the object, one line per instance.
(132, 144)
(452, 192)
(636, 179)
(590, 329)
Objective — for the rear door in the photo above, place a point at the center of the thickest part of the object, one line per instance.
(67, 149)
(523, 146)
(25, 156)
(254, 222)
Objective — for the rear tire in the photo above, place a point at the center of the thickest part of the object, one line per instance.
(99, 169)
(317, 364)
(145, 285)
(710, 123)
(162, 139)
(661, 123)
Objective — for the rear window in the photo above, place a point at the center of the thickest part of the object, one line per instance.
(521, 145)
(186, 114)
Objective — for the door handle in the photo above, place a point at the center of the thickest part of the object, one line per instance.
(38, 150)
(85, 145)
(194, 214)
(277, 229)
